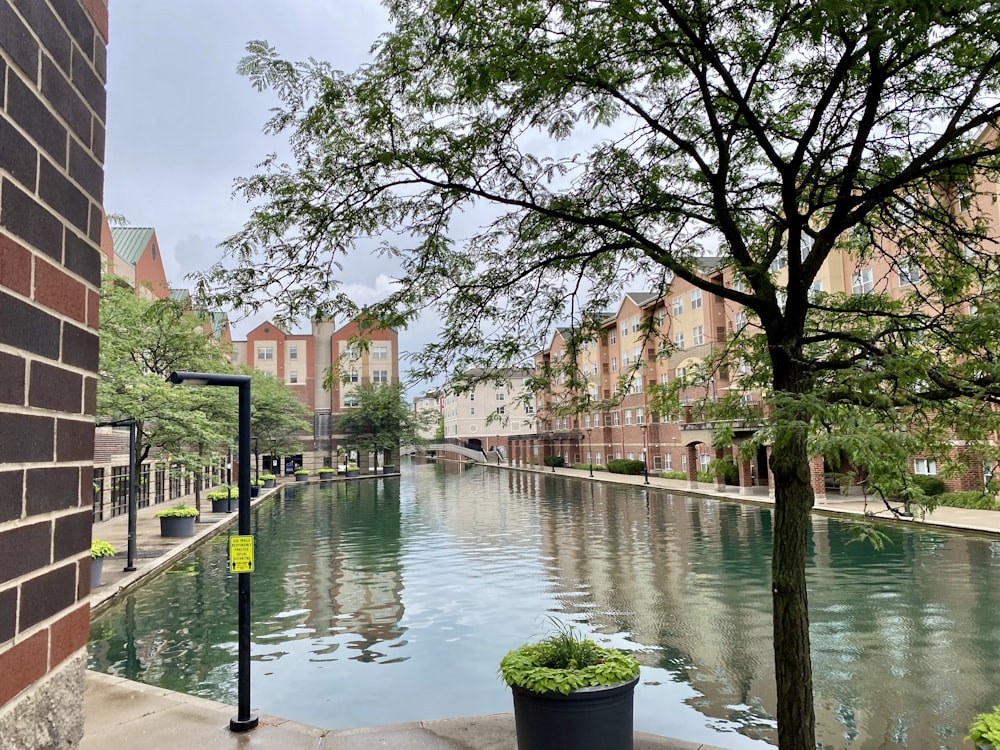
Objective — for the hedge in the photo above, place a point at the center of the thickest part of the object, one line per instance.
(626, 466)
(553, 460)
(971, 500)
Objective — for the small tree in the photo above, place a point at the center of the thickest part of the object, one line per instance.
(382, 420)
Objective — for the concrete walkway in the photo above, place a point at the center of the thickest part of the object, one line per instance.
(124, 715)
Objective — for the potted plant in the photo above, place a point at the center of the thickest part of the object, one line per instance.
(177, 521)
(352, 470)
(224, 501)
(268, 480)
(255, 485)
(571, 694)
(985, 730)
(302, 475)
(327, 473)
(99, 549)
(389, 469)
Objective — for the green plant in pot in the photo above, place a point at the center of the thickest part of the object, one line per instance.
(268, 479)
(985, 730)
(327, 472)
(224, 501)
(352, 470)
(570, 693)
(99, 549)
(301, 475)
(177, 521)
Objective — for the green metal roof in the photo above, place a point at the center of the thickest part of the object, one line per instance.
(180, 295)
(129, 242)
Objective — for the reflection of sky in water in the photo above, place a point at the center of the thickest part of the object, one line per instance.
(385, 602)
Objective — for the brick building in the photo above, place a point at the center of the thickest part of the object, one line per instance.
(52, 124)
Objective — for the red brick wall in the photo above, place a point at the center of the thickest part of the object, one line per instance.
(52, 91)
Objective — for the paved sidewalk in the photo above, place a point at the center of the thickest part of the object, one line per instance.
(124, 715)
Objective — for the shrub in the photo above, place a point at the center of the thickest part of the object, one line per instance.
(233, 492)
(972, 500)
(588, 467)
(673, 474)
(626, 466)
(929, 485)
(553, 460)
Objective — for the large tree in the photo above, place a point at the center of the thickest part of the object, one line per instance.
(610, 141)
(143, 340)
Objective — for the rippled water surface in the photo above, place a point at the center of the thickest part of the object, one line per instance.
(392, 600)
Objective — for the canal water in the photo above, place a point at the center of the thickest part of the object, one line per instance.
(393, 600)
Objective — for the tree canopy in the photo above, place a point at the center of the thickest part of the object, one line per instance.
(142, 341)
(277, 417)
(601, 143)
(382, 420)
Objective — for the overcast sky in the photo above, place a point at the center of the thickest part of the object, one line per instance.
(182, 124)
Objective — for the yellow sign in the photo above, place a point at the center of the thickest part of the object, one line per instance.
(241, 554)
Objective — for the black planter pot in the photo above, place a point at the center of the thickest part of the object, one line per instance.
(593, 718)
(268, 483)
(254, 490)
(176, 526)
(224, 506)
(301, 477)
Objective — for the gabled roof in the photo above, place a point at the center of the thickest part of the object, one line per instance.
(641, 298)
(218, 321)
(129, 242)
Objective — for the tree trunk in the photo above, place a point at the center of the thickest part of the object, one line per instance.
(794, 499)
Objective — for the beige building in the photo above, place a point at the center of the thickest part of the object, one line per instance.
(492, 410)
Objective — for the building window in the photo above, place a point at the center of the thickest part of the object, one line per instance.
(354, 376)
(611, 337)
(628, 416)
(684, 462)
(293, 376)
(780, 262)
(624, 330)
(350, 401)
(626, 360)
(351, 351)
(815, 289)
(500, 396)
(640, 416)
(380, 376)
(909, 272)
(696, 299)
(380, 352)
(293, 352)
(863, 282)
(500, 410)
(668, 461)
(614, 364)
(926, 466)
(698, 336)
(637, 385)
(635, 323)
(678, 306)
(265, 352)
(679, 341)
(615, 418)
(705, 461)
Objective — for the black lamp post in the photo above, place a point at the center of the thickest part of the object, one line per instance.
(132, 428)
(590, 454)
(645, 455)
(244, 719)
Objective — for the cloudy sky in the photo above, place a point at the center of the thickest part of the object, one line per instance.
(182, 124)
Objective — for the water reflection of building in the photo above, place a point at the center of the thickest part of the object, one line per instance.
(350, 575)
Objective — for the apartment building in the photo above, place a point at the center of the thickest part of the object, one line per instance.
(491, 410)
(53, 68)
(429, 402)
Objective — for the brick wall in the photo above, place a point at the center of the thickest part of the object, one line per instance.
(52, 118)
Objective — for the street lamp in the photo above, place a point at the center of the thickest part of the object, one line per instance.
(645, 454)
(244, 721)
(590, 453)
(132, 429)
